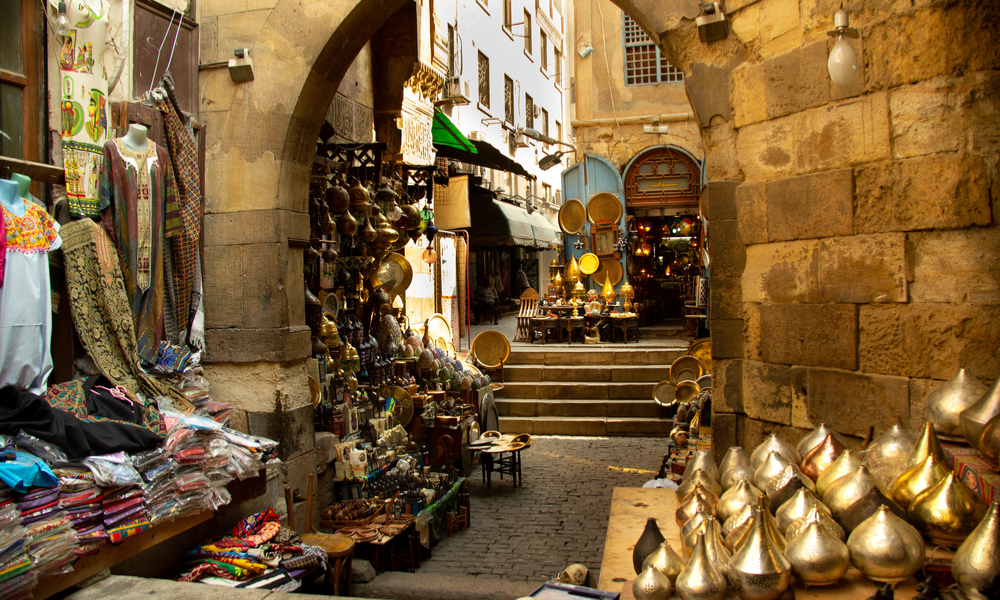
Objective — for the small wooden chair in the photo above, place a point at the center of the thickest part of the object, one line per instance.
(339, 548)
(529, 308)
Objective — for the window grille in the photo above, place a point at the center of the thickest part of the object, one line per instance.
(508, 99)
(545, 122)
(527, 32)
(484, 80)
(644, 65)
(543, 50)
(529, 112)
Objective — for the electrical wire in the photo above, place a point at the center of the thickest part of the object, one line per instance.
(607, 66)
(159, 50)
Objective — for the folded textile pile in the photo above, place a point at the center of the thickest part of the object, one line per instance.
(49, 535)
(125, 512)
(81, 499)
(157, 470)
(16, 575)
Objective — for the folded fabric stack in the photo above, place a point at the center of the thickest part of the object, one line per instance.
(81, 499)
(16, 574)
(125, 512)
(157, 470)
(49, 534)
(193, 385)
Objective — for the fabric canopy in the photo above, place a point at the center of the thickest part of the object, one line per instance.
(497, 223)
(545, 232)
(444, 133)
(485, 156)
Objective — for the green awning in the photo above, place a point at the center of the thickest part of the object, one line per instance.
(444, 133)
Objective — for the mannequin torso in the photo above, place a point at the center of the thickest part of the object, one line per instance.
(10, 198)
(135, 139)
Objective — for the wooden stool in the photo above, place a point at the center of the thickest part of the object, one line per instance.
(339, 548)
(456, 521)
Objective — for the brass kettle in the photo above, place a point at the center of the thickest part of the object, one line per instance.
(885, 548)
(816, 556)
(947, 512)
(977, 560)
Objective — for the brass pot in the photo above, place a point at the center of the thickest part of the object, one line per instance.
(816, 556)
(782, 487)
(666, 561)
(699, 500)
(774, 444)
(916, 479)
(944, 405)
(846, 463)
(926, 444)
(947, 512)
(736, 455)
(689, 482)
(825, 520)
(735, 498)
(796, 507)
(989, 442)
(886, 456)
(715, 544)
(977, 560)
(886, 548)
(773, 465)
(975, 418)
(703, 460)
(729, 477)
(700, 579)
(651, 584)
(758, 571)
(821, 457)
(815, 438)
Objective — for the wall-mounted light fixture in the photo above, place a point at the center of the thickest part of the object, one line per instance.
(549, 160)
(584, 49)
(241, 67)
(62, 24)
(843, 62)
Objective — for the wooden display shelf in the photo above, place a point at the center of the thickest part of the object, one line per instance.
(630, 507)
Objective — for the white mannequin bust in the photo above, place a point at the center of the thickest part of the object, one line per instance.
(10, 198)
(135, 139)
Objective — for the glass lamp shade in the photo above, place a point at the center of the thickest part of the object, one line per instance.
(579, 291)
(843, 63)
(429, 256)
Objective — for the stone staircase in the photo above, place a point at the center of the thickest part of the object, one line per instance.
(603, 391)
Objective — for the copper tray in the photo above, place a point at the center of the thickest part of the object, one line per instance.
(491, 348)
(702, 350)
(686, 368)
(572, 216)
(395, 274)
(610, 267)
(604, 205)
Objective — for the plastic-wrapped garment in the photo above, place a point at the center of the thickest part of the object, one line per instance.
(50, 453)
(110, 474)
(26, 471)
(144, 460)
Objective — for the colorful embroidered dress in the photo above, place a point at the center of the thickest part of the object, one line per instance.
(139, 211)
(25, 299)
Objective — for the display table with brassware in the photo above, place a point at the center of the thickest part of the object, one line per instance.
(630, 507)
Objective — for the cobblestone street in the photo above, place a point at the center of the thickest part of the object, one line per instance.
(557, 518)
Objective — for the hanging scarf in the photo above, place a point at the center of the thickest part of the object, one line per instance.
(3, 246)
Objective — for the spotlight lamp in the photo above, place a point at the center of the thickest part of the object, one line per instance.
(843, 63)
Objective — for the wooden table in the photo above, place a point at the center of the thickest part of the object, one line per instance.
(630, 507)
(543, 325)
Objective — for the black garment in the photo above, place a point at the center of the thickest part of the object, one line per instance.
(24, 411)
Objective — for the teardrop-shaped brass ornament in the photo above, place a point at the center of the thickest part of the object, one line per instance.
(989, 442)
(816, 556)
(821, 457)
(703, 460)
(796, 507)
(735, 455)
(735, 521)
(975, 418)
(739, 536)
(774, 444)
(782, 487)
(885, 548)
(815, 438)
(758, 571)
(947, 512)
(886, 456)
(699, 500)
(926, 444)
(572, 272)
(651, 584)
(846, 463)
(735, 498)
(687, 485)
(977, 560)
(666, 561)
(825, 521)
(693, 523)
(700, 579)
(715, 543)
(916, 479)
(846, 491)
(730, 476)
(772, 466)
(943, 406)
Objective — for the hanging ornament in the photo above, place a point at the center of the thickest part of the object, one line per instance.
(427, 214)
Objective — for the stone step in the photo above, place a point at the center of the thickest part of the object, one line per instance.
(562, 373)
(578, 390)
(522, 407)
(588, 426)
(575, 356)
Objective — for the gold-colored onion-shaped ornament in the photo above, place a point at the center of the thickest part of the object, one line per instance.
(762, 511)
(715, 543)
(729, 477)
(734, 522)
(816, 556)
(916, 479)
(651, 584)
(367, 232)
(758, 570)
(703, 460)
(783, 486)
(666, 561)
(989, 442)
(698, 476)
(773, 465)
(572, 271)
(977, 560)
(608, 291)
(774, 444)
(700, 579)
(825, 520)
(815, 438)
(734, 456)
(699, 500)
(693, 523)
(821, 457)
(975, 418)
(947, 512)
(846, 463)
(735, 498)
(886, 456)
(797, 507)
(886, 548)
(846, 492)
(926, 444)
(944, 405)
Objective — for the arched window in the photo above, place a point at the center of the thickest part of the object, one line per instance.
(660, 176)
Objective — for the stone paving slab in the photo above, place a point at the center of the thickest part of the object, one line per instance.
(558, 517)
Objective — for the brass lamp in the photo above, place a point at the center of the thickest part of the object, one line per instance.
(608, 291)
(627, 292)
(578, 293)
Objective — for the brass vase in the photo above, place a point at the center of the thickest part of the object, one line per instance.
(699, 500)
(846, 463)
(886, 456)
(916, 479)
(703, 460)
(989, 442)
(944, 405)
(689, 482)
(926, 444)
(947, 512)
(774, 464)
(651, 584)
(825, 521)
(665, 560)
(886, 548)
(735, 498)
(796, 507)
(758, 571)
(647, 543)
(782, 487)
(821, 457)
(774, 444)
(735, 473)
(975, 418)
(700, 579)
(815, 438)
(977, 560)
(816, 556)
(715, 544)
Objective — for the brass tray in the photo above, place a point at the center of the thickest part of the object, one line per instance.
(439, 327)
(663, 392)
(604, 205)
(404, 403)
(686, 368)
(572, 216)
(686, 390)
(702, 350)
(704, 382)
(395, 274)
(589, 263)
(491, 348)
(610, 267)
